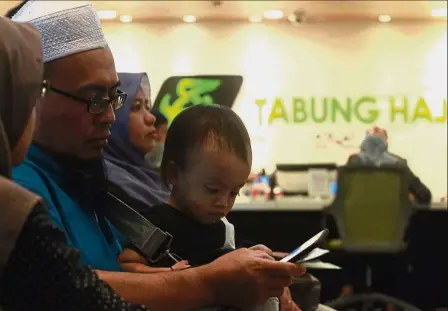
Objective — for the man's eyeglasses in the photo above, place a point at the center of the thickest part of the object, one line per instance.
(94, 105)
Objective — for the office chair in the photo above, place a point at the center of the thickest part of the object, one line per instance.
(372, 211)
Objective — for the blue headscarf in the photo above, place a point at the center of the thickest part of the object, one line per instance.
(126, 165)
(374, 151)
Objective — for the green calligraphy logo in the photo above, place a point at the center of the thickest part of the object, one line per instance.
(189, 91)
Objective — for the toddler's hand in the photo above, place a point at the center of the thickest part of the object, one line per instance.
(181, 265)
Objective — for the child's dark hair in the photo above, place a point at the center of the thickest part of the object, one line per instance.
(160, 118)
(201, 124)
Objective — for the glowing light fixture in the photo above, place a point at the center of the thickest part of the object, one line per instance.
(292, 18)
(189, 18)
(255, 19)
(442, 12)
(107, 14)
(273, 14)
(384, 18)
(126, 18)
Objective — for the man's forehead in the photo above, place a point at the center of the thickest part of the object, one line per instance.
(84, 71)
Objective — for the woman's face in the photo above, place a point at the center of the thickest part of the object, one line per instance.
(141, 124)
(19, 152)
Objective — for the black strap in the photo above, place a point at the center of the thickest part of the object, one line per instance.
(150, 240)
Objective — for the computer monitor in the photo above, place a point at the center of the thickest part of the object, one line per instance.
(294, 179)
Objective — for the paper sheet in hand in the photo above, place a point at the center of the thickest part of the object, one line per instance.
(314, 254)
(320, 265)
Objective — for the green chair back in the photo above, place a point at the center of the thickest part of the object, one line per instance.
(371, 208)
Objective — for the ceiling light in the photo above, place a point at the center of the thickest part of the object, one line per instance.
(126, 18)
(439, 12)
(384, 18)
(189, 18)
(292, 18)
(108, 14)
(273, 14)
(255, 19)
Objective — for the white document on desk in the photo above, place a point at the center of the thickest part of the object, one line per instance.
(314, 254)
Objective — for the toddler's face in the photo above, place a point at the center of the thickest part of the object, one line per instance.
(206, 189)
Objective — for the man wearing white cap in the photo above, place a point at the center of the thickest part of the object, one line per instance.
(73, 122)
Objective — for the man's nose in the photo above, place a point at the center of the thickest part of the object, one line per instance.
(107, 117)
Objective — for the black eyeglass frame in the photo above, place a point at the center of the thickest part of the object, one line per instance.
(92, 103)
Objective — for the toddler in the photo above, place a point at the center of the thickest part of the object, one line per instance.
(206, 161)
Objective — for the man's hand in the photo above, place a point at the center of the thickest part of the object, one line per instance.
(131, 261)
(246, 278)
(286, 302)
(263, 248)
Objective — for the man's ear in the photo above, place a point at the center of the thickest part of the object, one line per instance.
(172, 173)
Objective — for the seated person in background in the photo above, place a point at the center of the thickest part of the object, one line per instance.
(205, 166)
(132, 136)
(374, 152)
(154, 157)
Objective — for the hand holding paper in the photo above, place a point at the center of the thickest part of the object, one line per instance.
(308, 253)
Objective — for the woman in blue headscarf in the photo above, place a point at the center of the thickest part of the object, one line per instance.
(133, 136)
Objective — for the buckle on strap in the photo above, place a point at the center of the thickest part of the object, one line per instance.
(153, 242)
(156, 246)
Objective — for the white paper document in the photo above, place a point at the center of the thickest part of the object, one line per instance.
(314, 254)
(320, 265)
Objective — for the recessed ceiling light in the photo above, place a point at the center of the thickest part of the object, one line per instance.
(126, 18)
(384, 18)
(189, 18)
(292, 18)
(273, 14)
(442, 12)
(255, 19)
(107, 14)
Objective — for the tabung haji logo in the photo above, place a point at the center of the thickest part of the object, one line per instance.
(189, 91)
(179, 93)
(365, 110)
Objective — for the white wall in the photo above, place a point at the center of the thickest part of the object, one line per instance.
(335, 60)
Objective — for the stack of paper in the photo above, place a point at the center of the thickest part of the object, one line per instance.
(310, 261)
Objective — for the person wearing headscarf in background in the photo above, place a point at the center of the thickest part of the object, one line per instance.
(374, 151)
(38, 271)
(133, 135)
(72, 129)
(154, 157)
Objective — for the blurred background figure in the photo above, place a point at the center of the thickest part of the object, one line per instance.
(374, 151)
(133, 136)
(154, 157)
